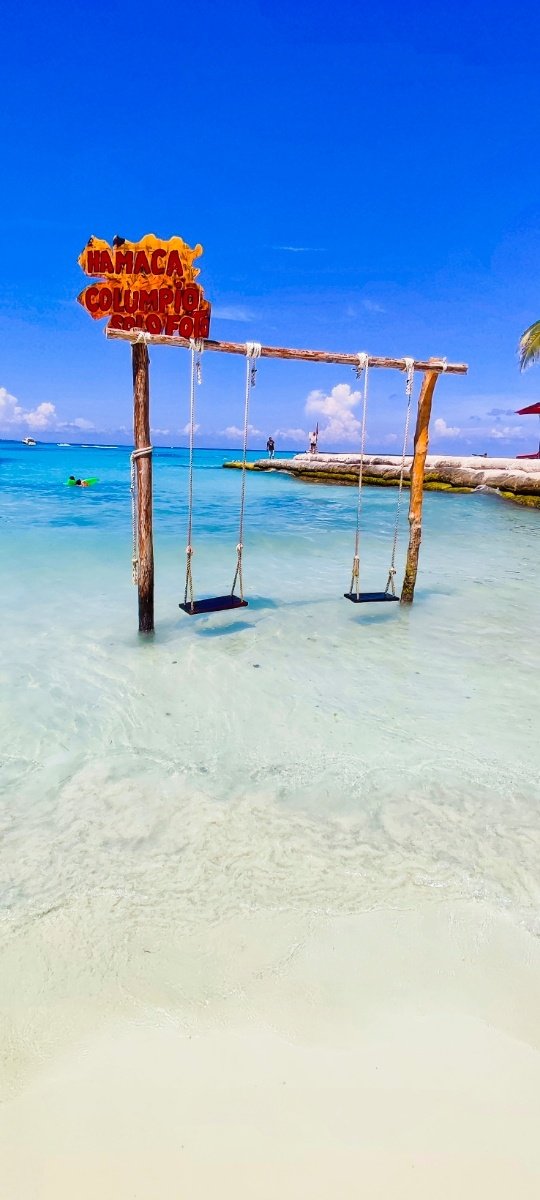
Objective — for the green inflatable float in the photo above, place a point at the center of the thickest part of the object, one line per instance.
(72, 482)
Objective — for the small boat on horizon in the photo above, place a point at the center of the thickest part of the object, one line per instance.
(29, 441)
(62, 445)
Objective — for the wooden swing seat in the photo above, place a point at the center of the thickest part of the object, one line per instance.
(369, 597)
(213, 604)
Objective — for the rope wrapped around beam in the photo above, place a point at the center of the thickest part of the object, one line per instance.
(327, 356)
(143, 452)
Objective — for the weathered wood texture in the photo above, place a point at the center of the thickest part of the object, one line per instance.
(141, 429)
(421, 438)
(324, 356)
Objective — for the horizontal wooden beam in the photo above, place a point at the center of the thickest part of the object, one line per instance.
(325, 356)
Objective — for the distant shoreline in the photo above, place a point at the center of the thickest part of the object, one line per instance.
(129, 446)
(513, 479)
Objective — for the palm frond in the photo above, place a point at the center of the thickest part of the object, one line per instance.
(529, 346)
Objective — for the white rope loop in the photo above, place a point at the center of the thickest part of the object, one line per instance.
(253, 352)
(409, 368)
(142, 452)
(362, 368)
(197, 347)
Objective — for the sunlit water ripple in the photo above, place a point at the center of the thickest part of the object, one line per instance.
(301, 758)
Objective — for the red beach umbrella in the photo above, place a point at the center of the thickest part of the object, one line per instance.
(531, 408)
(534, 410)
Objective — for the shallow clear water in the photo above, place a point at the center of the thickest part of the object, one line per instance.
(299, 761)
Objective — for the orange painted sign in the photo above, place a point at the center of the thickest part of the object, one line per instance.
(148, 285)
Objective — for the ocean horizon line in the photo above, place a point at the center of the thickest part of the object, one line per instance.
(130, 446)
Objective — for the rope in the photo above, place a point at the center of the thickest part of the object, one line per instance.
(197, 347)
(253, 352)
(143, 452)
(363, 366)
(390, 583)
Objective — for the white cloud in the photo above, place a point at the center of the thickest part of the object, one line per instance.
(232, 431)
(13, 413)
(78, 423)
(232, 312)
(165, 432)
(506, 432)
(291, 435)
(301, 249)
(43, 416)
(442, 430)
(185, 430)
(372, 306)
(341, 423)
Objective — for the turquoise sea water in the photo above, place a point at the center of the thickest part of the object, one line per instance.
(272, 770)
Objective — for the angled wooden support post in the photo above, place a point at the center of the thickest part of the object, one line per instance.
(143, 462)
(421, 438)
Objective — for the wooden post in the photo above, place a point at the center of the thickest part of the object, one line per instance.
(421, 437)
(141, 430)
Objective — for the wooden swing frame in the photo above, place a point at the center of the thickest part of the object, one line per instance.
(431, 369)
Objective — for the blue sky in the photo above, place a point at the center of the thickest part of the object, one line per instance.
(362, 177)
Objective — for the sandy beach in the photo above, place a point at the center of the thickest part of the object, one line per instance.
(414, 1070)
(275, 964)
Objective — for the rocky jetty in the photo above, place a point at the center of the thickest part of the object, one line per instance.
(513, 478)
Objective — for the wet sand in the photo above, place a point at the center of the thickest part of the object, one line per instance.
(421, 1106)
(394, 1055)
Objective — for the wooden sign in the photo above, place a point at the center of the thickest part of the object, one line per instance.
(148, 285)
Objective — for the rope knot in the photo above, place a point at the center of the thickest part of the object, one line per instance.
(197, 347)
(253, 349)
(240, 547)
(142, 452)
(189, 551)
(363, 360)
(409, 367)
